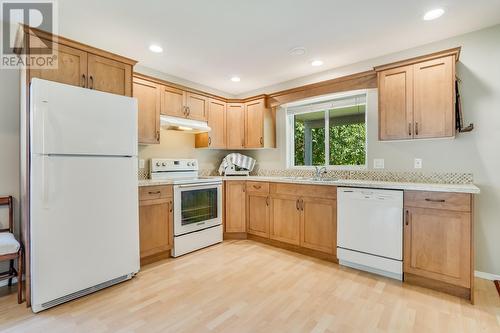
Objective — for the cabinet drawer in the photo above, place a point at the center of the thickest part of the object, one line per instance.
(257, 187)
(319, 191)
(439, 200)
(155, 192)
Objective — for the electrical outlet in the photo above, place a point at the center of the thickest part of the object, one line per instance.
(141, 164)
(418, 163)
(378, 163)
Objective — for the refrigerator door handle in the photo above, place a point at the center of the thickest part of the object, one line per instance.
(45, 182)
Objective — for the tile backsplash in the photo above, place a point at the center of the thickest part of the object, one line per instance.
(394, 176)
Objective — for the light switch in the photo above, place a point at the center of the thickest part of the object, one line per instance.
(418, 163)
(378, 163)
(141, 164)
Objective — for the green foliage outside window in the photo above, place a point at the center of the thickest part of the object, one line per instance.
(347, 144)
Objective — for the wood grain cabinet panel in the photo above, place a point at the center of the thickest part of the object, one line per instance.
(235, 206)
(172, 102)
(71, 64)
(438, 245)
(109, 75)
(148, 96)
(235, 122)
(216, 138)
(254, 124)
(434, 93)
(258, 214)
(285, 219)
(319, 225)
(155, 218)
(396, 103)
(197, 106)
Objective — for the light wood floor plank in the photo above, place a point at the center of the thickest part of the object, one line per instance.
(244, 286)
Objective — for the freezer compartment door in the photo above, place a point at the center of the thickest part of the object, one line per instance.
(73, 120)
(84, 223)
(370, 221)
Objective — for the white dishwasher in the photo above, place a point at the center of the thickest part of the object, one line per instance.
(370, 230)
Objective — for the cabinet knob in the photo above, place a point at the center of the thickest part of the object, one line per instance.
(416, 128)
(91, 84)
(209, 141)
(409, 129)
(261, 140)
(171, 206)
(84, 80)
(407, 218)
(297, 204)
(267, 201)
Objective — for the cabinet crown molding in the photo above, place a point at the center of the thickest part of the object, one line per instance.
(449, 52)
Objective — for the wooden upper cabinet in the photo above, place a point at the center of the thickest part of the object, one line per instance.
(172, 102)
(109, 75)
(395, 103)
(148, 96)
(438, 245)
(434, 94)
(216, 138)
(254, 124)
(71, 65)
(319, 224)
(417, 97)
(81, 65)
(196, 106)
(235, 122)
(235, 206)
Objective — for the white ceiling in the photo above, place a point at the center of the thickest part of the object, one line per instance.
(208, 41)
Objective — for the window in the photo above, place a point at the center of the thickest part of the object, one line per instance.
(328, 132)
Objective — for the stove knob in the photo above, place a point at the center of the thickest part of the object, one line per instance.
(164, 164)
(157, 164)
(188, 163)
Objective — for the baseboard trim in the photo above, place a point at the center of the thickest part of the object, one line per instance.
(486, 276)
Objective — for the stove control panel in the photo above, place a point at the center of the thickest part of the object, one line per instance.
(168, 164)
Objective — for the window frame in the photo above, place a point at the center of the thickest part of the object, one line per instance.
(290, 131)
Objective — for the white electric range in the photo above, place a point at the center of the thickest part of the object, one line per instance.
(197, 204)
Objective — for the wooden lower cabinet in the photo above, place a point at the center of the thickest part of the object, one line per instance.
(438, 248)
(285, 219)
(155, 222)
(318, 225)
(258, 214)
(235, 202)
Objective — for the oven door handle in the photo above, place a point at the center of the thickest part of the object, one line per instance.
(199, 185)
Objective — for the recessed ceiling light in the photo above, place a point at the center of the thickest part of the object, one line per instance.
(235, 79)
(433, 14)
(155, 48)
(316, 63)
(297, 51)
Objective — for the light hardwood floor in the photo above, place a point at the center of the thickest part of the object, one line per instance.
(244, 286)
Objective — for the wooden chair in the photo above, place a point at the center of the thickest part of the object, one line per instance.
(11, 249)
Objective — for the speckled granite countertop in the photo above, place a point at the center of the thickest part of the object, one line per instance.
(458, 188)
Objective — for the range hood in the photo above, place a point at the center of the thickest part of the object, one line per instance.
(183, 124)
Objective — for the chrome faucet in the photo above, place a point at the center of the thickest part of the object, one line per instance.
(320, 171)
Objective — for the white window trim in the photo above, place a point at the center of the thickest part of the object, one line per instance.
(289, 129)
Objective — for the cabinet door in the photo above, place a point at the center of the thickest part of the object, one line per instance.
(148, 98)
(217, 123)
(71, 62)
(197, 106)
(319, 225)
(235, 122)
(285, 219)
(254, 124)
(395, 88)
(437, 245)
(109, 75)
(235, 206)
(258, 214)
(172, 102)
(155, 226)
(434, 93)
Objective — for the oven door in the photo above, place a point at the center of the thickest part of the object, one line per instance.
(197, 207)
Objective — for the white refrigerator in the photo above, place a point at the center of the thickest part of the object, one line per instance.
(83, 216)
